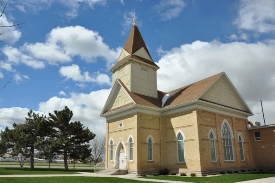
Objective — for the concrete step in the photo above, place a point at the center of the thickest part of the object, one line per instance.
(113, 172)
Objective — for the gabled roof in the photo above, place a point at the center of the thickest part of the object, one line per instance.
(192, 91)
(186, 94)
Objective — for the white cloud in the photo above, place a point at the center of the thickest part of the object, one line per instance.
(86, 108)
(242, 36)
(72, 6)
(256, 15)
(16, 57)
(249, 66)
(73, 72)
(8, 34)
(168, 10)
(8, 116)
(64, 43)
(62, 93)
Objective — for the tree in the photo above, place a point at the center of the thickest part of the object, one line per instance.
(28, 135)
(69, 135)
(98, 149)
(6, 141)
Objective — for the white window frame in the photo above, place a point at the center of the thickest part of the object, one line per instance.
(257, 138)
(131, 148)
(111, 150)
(212, 139)
(227, 141)
(151, 148)
(240, 139)
(177, 141)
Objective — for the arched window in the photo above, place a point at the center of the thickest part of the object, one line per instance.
(227, 142)
(150, 149)
(111, 149)
(212, 146)
(241, 147)
(180, 147)
(130, 148)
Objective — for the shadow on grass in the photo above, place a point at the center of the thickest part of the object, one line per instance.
(226, 178)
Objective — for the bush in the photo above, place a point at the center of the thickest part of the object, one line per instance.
(143, 175)
(155, 174)
(165, 171)
(172, 173)
(193, 175)
(182, 174)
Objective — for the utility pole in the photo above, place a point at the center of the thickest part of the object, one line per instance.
(263, 111)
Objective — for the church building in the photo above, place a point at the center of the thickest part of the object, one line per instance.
(198, 128)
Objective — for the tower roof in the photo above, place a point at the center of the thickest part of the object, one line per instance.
(135, 41)
(134, 49)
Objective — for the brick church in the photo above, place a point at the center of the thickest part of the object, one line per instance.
(200, 127)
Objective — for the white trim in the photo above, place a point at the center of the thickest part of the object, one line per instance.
(183, 139)
(152, 148)
(128, 141)
(230, 129)
(120, 141)
(179, 131)
(240, 136)
(232, 140)
(110, 100)
(214, 136)
(111, 148)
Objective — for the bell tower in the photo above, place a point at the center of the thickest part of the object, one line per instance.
(135, 67)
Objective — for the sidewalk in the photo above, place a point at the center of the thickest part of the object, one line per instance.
(128, 176)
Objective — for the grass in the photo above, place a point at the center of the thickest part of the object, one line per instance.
(65, 180)
(217, 179)
(52, 164)
(26, 171)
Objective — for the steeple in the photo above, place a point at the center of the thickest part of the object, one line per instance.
(136, 48)
(135, 66)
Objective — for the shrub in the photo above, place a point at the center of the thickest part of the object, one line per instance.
(155, 174)
(172, 173)
(182, 174)
(165, 171)
(143, 175)
(236, 171)
(222, 172)
(193, 175)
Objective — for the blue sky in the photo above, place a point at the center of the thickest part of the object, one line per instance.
(61, 55)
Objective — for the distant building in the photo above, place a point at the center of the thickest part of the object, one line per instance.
(262, 140)
(200, 127)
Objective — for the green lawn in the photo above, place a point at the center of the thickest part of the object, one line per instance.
(217, 179)
(23, 171)
(27, 164)
(66, 180)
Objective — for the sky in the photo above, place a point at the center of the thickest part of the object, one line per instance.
(61, 54)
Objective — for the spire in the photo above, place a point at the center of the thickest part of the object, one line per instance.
(134, 20)
(135, 41)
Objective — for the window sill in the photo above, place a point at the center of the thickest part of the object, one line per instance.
(181, 163)
(150, 161)
(229, 161)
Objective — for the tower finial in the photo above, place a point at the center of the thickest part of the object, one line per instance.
(134, 20)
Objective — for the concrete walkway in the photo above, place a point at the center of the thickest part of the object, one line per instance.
(128, 176)
(86, 174)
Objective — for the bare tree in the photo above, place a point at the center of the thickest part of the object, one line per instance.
(4, 28)
(98, 149)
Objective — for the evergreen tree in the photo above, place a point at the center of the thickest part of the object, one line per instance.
(69, 135)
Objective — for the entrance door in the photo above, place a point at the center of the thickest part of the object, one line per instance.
(122, 162)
